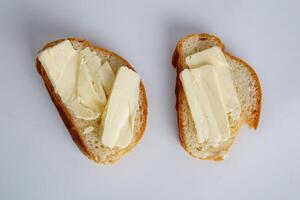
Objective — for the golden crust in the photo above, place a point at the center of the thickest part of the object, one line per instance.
(67, 116)
(178, 63)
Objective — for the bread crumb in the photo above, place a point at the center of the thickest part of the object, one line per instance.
(88, 130)
(223, 154)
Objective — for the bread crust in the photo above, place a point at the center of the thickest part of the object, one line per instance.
(67, 116)
(178, 63)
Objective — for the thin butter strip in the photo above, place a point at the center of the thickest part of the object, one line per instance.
(122, 104)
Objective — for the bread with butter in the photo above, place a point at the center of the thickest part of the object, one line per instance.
(245, 82)
(84, 132)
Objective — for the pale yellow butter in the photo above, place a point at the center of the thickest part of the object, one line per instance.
(214, 56)
(73, 75)
(89, 88)
(60, 63)
(210, 94)
(106, 77)
(90, 92)
(211, 56)
(118, 118)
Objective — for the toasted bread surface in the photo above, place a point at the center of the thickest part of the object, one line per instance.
(90, 144)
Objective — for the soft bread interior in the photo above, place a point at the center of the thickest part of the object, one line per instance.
(89, 141)
(247, 86)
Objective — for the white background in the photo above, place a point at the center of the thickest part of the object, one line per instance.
(38, 159)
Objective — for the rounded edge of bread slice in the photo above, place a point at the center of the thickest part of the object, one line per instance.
(245, 81)
(89, 144)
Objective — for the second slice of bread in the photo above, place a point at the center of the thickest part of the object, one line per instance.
(245, 82)
(89, 143)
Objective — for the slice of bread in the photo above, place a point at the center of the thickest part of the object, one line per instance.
(246, 84)
(89, 143)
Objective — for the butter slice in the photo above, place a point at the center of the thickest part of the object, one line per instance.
(205, 101)
(106, 77)
(211, 56)
(210, 94)
(118, 119)
(90, 92)
(214, 56)
(60, 63)
(72, 73)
